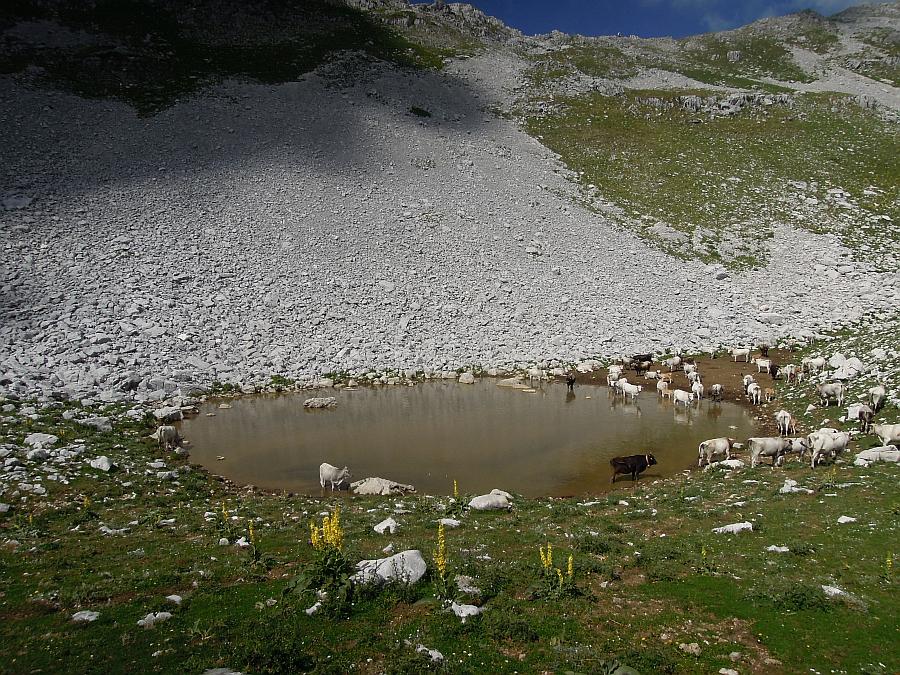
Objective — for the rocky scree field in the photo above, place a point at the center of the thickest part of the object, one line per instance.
(415, 191)
(406, 193)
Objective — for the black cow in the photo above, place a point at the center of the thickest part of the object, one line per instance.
(570, 382)
(633, 464)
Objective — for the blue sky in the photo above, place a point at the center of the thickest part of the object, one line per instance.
(647, 18)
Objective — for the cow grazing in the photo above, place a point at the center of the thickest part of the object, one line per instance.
(826, 442)
(866, 416)
(831, 390)
(786, 423)
(814, 365)
(748, 380)
(888, 433)
(769, 394)
(708, 450)
(332, 474)
(633, 464)
(168, 437)
(877, 395)
(767, 447)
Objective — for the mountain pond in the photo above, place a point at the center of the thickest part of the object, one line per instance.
(549, 442)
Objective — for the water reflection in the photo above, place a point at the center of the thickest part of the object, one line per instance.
(549, 442)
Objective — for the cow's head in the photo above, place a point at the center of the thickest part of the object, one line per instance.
(651, 460)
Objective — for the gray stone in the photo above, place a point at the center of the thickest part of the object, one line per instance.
(406, 567)
(103, 463)
(323, 402)
(41, 439)
(380, 486)
(98, 423)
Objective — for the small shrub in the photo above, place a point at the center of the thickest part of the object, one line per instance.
(501, 625)
(420, 112)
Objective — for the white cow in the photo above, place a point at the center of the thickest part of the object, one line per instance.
(168, 437)
(690, 368)
(831, 390)
(877, 395)
(631, 390)
(697, 389)
(332, 474)
(763, 365)
(708, 450)
(681, 396)
(742, 351)
(786, 423)
(716, 391)
(767, 447)
(888, 433)
(651, 375)
(822, 443)
(661, 386)
(536, 374)
(748, 380)
(672, 363)
(754, 393)
(797, 445)
(814, 365)
(694, 377)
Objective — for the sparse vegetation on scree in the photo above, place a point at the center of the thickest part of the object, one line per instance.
(649, 585)
(722, 184)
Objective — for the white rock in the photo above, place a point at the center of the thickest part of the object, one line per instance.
(790, 486)
(176, 599)
(39, 439)
(433, 654)
(467, 378)
(734, 528)
(386, 525)
(85, 615)
(730, 464)
(313, 608)
(103, 463)
(37, 455)
(728, 671)
(242, 543)
(153, 618)
(98, 423)
(778, 549)
(846, 519)
(452, 523)
(405, 567)
(170, 414)
(465, 611)
(380, 486)
(883, 453)
(491, 502)
(223, 541)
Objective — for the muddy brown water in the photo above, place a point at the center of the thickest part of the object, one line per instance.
(546, 443)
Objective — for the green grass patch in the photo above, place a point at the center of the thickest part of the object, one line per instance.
(718, 184)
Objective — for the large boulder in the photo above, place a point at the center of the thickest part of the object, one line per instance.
(883, 453)
(406, 567)
(380, 486)
(169, 414)
(495, 500)
(98, 423)
(467, 378)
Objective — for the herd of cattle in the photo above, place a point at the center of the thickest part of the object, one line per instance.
(818, 445)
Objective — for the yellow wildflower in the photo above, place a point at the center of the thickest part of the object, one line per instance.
(560, 575)
(252, 534)
(455, 489)
(440, 553)
(571, 567)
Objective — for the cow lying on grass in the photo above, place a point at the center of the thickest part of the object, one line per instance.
(633, 464)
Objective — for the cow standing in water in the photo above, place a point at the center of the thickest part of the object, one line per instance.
(570, 382)
(633, 464)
